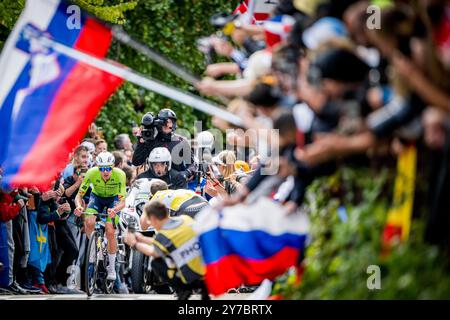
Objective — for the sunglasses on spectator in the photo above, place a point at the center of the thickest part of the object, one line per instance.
(107, 169)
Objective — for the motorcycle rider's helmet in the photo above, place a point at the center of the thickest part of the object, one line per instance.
(165, 114)
(205, 139)
(160, 155)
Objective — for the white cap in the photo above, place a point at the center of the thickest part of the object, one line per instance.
(89, 145)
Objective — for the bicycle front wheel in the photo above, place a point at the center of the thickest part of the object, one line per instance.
(91, 265)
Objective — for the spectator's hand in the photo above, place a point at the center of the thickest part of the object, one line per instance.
(215, 70)
(290, 207)
(49, 195)
(235, 198)
(210, 189)
(33, 189)
(111, 213)
(59, 193)
(206, 86)
(93, 130)
(78, 211)
(65, 207)
(403, 65)
(286, 169)
(222, 47)
(79, 181)
(130, 239)
(21, 203)
(322, 149)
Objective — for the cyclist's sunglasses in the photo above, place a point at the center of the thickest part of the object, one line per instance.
(103, 169)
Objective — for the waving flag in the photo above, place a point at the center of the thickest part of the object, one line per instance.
(40, 255)
(398, 222)
(48, 100)
(259, 10)
(247, 244)
(277, 29)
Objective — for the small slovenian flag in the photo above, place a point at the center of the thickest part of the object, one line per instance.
(277, 29)
(48, 100)
(262, 10)
(246, 244)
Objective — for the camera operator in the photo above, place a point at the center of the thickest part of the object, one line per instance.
(203, 145)
(159, 132)
(160, 167)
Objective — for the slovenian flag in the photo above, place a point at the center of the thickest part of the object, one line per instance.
(246, 244)
(277, 29)
(47, 99)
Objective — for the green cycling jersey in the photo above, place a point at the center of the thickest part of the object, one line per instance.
(115, 186)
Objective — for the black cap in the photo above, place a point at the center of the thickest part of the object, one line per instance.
(340, 65)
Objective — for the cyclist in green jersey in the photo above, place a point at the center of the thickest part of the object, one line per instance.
(108, 192)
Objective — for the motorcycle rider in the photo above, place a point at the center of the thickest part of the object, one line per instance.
(204, 144)
(160, 167)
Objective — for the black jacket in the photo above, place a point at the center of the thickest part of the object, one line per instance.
(187, 165)
(174, 179)
(47, 212)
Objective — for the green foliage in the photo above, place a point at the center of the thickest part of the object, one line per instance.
(9, 12)
(109, 11)
(171, 28)
(341, 249)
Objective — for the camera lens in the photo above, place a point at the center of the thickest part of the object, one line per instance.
(147, 119)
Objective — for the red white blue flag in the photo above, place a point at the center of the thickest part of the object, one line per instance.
(255, 11)
(47, 99)
(277, 29)
(246, 244)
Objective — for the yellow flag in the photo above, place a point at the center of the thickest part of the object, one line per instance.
(399, 215)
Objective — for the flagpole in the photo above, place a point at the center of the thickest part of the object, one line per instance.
(144, 81)
(120, 35)
(251, 11)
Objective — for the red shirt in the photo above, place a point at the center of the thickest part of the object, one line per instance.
(8, 210)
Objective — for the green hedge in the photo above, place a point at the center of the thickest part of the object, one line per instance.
(171, 27)
(342, 248)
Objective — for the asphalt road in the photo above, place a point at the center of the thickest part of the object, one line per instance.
(239, 296)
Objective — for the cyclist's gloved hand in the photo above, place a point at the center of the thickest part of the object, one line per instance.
(111, 213)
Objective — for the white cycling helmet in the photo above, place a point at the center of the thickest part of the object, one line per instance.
(105, 159)
(160, 154)
(205, 139)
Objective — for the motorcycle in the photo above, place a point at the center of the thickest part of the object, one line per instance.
(137, 266)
